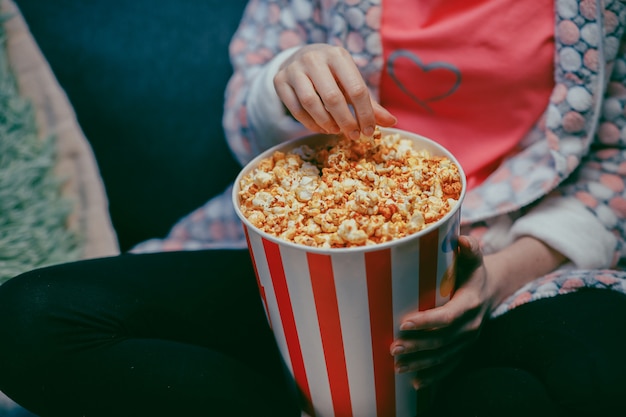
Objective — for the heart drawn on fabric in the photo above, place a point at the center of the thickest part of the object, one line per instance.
(424, 83)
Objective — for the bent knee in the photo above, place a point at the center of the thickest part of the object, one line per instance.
(28, 304)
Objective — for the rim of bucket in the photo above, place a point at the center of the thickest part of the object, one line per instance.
(435, 149)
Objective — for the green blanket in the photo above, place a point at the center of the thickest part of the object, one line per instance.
(33, 213)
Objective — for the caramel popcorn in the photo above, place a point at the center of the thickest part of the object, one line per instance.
(345, 193)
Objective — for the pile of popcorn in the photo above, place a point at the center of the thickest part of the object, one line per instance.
(345, 193)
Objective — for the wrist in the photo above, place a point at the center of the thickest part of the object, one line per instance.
(498, 270)
(523, 261)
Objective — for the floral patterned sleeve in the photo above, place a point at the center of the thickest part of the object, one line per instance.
(600, 181)
(267, 28)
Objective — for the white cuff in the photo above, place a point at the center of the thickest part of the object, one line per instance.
(266, 113)
(568, 227)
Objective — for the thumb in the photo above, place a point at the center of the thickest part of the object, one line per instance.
(469, 247)
(383, 117)
(469, 259)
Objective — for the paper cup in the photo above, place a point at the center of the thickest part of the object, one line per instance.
(335, 312)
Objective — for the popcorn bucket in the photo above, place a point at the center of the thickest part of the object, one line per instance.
(335, 312)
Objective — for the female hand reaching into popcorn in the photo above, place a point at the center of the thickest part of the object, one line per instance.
(322, 88)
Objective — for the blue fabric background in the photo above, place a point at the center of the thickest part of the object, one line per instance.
(146, 79)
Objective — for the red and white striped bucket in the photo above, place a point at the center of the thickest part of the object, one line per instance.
(335, 312)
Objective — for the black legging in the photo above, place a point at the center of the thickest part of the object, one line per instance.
(184, 334)
(173, 334)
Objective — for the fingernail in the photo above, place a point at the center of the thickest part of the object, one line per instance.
(368, 131)
(407, 325)
(398, 350)
(403, 369)
(355, 134)
(422, 385)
